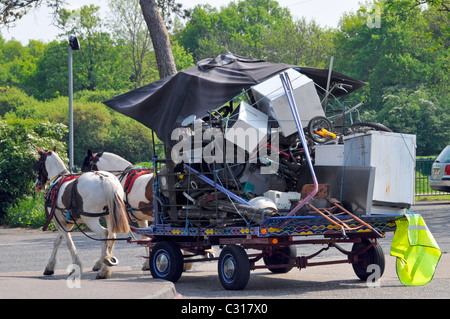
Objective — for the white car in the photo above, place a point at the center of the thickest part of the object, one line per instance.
(440, 172)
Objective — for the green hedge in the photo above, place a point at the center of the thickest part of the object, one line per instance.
(18, 141)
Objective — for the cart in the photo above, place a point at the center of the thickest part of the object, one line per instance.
(199, 204)
(274, 242)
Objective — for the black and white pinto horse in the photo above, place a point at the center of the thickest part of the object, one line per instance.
(138, 186)
(139, 196)
(75, 198)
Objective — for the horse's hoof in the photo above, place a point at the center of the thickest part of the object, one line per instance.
(187, 266)
(48, 272)
(101, 277)
(103, 274)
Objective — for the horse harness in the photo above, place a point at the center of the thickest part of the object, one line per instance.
(51, 197)
(130, 174)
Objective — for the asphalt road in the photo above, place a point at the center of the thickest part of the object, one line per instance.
(24, 254)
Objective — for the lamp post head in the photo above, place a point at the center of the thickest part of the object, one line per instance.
(74, 43)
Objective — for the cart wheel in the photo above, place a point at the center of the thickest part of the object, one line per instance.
(234, 268)
(373, 256)
(166, 261)
(280, 259)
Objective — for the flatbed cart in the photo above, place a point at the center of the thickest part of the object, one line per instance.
(275, 244)
(213, 170)
(274, 236)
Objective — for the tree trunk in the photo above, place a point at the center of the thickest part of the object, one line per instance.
(160, 38)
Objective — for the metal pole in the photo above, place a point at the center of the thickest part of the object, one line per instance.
(330, 71)
(70, 111)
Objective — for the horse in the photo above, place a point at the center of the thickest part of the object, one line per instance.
(139, 197)
(81, 198)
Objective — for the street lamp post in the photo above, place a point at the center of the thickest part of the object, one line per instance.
(74, 44)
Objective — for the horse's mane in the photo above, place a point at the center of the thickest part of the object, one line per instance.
(116, 157)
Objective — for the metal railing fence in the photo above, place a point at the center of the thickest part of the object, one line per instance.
(423, 170)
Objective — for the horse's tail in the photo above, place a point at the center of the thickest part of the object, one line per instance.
(118, 220)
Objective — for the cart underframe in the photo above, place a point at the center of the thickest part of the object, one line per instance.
(245, 246)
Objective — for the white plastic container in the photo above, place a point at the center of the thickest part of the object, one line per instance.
(394, 156)
(249, 129)
(271, 99)
(329, 155)
(283, 200)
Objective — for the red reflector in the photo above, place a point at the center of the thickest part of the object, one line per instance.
(447, 170)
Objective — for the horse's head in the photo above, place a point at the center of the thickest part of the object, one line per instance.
(41, 169)
(48, 166)
(104, 161)
(89, 161)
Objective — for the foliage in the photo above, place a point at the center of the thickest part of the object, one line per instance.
(405, 61)
(406, 64)
(239, 28)
(406, 5)
(95, 126)
(18, 142)
(129, 28)
(300, 43)
(12, 10)
(417, 112)
(29, 212)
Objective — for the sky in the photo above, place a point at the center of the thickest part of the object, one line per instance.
(37, 25)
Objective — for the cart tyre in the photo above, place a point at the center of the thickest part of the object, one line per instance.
(278, 259)
(234, 268)
(166, 261)
(373, 256)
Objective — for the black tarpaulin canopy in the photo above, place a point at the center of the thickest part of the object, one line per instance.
(164, 104)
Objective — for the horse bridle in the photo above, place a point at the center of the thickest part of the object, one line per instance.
(94, 160)
(39, 166)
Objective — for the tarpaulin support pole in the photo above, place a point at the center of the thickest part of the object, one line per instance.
(287, 85)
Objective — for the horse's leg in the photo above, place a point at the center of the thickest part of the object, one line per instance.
(108, 259)
(102, 233)
(62, 234)
(50, 268)
(73, 250)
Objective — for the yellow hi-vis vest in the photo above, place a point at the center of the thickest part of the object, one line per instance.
(416, 250)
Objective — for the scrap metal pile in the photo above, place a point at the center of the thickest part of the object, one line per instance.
(234, 152)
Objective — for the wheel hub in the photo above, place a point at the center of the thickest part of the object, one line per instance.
(162, 263)
(229, 268)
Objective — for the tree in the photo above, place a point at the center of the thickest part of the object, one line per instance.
(406, 63)
(128, 25)
(299, 43)
(18, 62)
(417, 111)
(18, 141)
(406, 5)
(160, 38)
(256, 28)
(12, 10)
(100, 60)
(241, 28)
(398, 53)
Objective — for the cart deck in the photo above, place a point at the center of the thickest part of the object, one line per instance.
(275, 242)
(280, 226)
